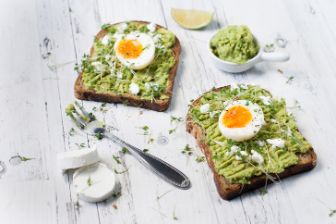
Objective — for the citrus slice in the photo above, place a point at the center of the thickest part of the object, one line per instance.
(191, 18)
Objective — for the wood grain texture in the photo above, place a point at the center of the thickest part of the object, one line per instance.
(41, 40)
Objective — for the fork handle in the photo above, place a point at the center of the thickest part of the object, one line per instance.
(162, 169)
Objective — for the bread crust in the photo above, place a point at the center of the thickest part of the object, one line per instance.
(226, 190)
(83, 93)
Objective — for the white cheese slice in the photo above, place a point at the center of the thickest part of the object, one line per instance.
(94, 183)
(233, 150)
(122, 27)
(106, 39)
(204, 108)
(151, 27)
(134, 88)
(77, 158)
(257, 157)
(276, 142)
(266, 100)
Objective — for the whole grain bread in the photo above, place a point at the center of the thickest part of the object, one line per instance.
(227, 190)
(83, 93)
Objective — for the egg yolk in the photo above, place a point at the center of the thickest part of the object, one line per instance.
(129, 48)
(237, 117)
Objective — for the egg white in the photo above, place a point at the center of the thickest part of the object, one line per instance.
(146, 56)
(251, 129)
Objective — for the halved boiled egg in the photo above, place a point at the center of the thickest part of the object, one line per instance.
(136, 50)
(241, 120)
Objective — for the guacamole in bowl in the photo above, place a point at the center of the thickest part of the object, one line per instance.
(234, 44)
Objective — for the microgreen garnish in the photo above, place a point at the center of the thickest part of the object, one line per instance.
(120, 172)
(103, 108)
(116, 194)
(117, 159)
(190, 103)
(145, 150)
(145, 130)
(77, 68)
(187, 150)
(150, 140)
(200, 159)
(80, 145)
(124, 150)
(71, 132)
(269, 48)
(174, 216)
(24, 159)
(94, 108)
(89, 181)
(332, 212)
(99, 136)
(175, 119)
(290, 79)
(171, 131)
(105, 26)
(263, 191)
(297, 105)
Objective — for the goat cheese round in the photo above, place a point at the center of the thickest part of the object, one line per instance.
(77, 158)
(94, 183)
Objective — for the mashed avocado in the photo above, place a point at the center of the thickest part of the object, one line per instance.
(278, 125)
(104, 73)
(234, 44)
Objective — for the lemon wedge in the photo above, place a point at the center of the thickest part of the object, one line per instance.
(191, 18)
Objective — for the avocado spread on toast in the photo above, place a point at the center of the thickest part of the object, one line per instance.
(279, 124)
(114, 77)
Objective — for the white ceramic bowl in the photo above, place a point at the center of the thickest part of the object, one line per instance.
(237, 68)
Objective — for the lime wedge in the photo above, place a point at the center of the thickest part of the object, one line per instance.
(191, 18)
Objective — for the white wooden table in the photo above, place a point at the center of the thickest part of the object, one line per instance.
(41, 40)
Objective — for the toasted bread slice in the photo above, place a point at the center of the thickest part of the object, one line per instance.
(83, 93)
(227, 190)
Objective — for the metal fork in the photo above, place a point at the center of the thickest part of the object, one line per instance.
(89, 124)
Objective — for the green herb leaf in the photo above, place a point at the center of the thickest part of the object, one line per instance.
(89, 181)
(117, 159)
(124, 150)
(116, 194)
(72, 132)
(105, 26)
(99, 136)
(263, 191)
(120, 172)
(174, 216)
(171, 131)
(24, 159)
(145, 150)
(200, 159)
(81, 145)
(103, 108)
(187, 150)
(151, 140)
(145, 130)
(269, 48)
(332, 212)
(290, 79)
(175, 119)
